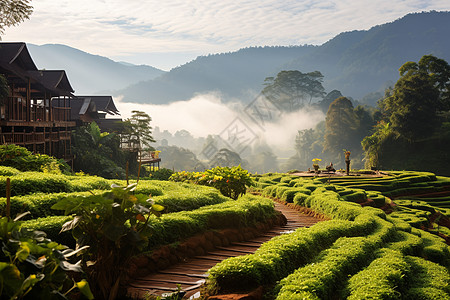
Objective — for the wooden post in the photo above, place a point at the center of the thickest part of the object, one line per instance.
(347, 162)
(8, 198)
(139, 170)
(126, 170)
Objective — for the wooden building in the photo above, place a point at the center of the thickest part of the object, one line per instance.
(36, 113)
(87, 109)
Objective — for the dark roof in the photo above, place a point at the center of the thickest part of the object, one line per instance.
(15, 58)
(103, 104)
(80, 107)
(54, 80)
(16, 54)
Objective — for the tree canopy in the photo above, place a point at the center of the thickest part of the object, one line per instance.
(420, 93)
(290, 89)
(413, 118)
(137, 131)
(13, 12)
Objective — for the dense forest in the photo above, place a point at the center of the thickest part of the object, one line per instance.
(409, 122)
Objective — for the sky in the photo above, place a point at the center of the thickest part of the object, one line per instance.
(169, 33)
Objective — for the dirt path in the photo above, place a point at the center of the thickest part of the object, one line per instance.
(190, 275)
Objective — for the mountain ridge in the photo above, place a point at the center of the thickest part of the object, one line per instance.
(357, 63)
(81, 67)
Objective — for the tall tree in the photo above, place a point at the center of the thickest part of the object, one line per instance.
(137, 131)
(13, 12)
(341, 125)
(289, 89)
(225, 158)
(411, 122)
(421, 91)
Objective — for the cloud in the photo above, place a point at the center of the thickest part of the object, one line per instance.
(124, 27)
(207, 114)
(202, 115)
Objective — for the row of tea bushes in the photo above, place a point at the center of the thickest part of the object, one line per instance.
(37, 192)
(320, 268)
(243, 212)
(172, 227)
(395, 276)
(38, 204)
(36, 182)
(283, 254)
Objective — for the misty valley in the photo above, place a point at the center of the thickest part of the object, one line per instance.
(281, 172)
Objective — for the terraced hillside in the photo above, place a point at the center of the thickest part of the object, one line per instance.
(386, 237)
(364, 252)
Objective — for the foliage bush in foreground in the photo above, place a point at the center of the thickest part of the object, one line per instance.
(231, 182)
(20, 158)
(34, 267)
(115, 227)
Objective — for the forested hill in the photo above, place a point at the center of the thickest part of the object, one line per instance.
(360, 62)
(90, 74)
(356, 63)
(236, 74)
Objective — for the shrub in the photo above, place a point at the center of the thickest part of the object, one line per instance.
(34, 266)
(20, 158)
(330, 270)
(115, 227)
(283, 254)
(34, 182)
(382, 279)
(231, 182)
(161, 174)
(8, 171)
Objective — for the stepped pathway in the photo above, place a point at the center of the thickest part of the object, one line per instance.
(190, 275)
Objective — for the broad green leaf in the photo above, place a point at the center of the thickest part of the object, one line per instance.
(157, 207)
(84, 288)
(23, 252)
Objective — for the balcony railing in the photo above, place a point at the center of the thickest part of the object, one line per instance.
(22, 138)
(16, 110)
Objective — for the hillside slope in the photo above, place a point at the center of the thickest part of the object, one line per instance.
(356, 63)
(90, 74)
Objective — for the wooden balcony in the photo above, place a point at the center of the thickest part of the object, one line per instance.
(23, 138)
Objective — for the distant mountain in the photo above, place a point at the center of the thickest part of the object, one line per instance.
(359, 62)
(235, 75)
(90, 74)
(355, 63)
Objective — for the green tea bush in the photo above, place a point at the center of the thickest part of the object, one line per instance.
(231, 182)
(8, 171)
(39, 204)
(428, 280)
(384, 278)
(283, 254)
(289, 194)
(407, 243)
(86, 183)
(329, 271)
(34, 182)
(189, 199)
(246, 211)
(435, 249)
(20, 158)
